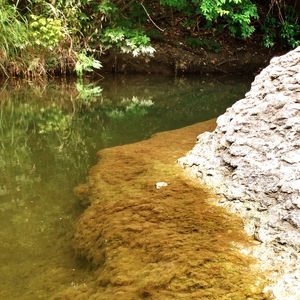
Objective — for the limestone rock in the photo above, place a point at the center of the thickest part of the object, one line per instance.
(253, 160)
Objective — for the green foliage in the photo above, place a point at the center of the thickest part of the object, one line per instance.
(237, 14)
(179, 4)
(13, 31)
(45, 32)
(286, 29)
(269, 29)
(290, 33)
(239, 19)
(107, 8)
(45, 36)
(128, 40)
(86, 63)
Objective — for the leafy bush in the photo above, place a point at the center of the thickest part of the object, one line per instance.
(107, 8)
(290, 33)
(13, 30)
(269, 28)
(128, 40)
(39, 36)
(86, 63)
(237, 14)
(45, 32)
(281, 23)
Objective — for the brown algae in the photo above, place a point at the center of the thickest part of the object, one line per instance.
(168, 243)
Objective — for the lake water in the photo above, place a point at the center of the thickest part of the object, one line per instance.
(49, 136)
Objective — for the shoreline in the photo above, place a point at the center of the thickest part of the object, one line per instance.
(170, 58)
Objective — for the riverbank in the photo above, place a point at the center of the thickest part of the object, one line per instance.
(179, 58)
(173, 55)
(151, 233)
(42, 40)
(216, 54)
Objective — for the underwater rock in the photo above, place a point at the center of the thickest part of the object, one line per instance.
(252, 158)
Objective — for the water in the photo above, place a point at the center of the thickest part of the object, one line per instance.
(49, 135)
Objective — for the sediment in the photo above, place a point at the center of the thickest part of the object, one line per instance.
(152, 233)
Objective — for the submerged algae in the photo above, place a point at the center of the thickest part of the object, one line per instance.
(171, 243)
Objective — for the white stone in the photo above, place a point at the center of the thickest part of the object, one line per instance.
(253, 159)
(161, 184)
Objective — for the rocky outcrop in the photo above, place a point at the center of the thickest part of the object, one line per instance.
(253, 160)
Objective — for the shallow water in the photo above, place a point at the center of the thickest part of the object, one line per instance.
(49, 135)
(159, 244)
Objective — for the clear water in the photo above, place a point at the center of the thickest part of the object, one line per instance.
(49, 135)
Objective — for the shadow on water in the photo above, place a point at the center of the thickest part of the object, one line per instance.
(49, 135)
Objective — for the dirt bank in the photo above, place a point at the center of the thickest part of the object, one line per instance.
(167, 243)
(174, 56)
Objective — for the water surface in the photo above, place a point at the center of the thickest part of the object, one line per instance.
(49, 135)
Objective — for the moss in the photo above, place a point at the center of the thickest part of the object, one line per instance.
(171, 243)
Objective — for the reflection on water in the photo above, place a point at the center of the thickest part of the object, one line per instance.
(49, 135)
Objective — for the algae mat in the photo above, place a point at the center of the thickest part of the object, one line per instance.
(168, 243)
